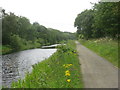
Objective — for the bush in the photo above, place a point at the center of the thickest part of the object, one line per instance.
(65, 49)
(16, 42)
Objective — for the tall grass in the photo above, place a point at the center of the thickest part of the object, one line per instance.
(5, 49)
(104, 47)
(51, 73)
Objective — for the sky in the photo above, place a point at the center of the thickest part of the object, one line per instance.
(56, 14)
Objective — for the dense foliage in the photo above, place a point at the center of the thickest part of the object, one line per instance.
(101, 21)
(19, 33)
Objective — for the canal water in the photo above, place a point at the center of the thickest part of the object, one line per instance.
(15, 65)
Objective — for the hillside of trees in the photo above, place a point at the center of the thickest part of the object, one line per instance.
(18, 33)
(100, 21)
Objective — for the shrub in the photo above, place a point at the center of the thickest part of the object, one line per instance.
(65, 49)
(16, 42)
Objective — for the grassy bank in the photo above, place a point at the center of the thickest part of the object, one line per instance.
(104, 47)
(6, 49)
(61, 70)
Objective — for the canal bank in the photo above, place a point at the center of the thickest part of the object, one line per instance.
(61, 70)
(15, 65)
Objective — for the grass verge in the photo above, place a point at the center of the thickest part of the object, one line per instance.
(61, 70)
(5, 49)
(104, 47)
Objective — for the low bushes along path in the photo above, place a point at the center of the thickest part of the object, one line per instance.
(97, 72)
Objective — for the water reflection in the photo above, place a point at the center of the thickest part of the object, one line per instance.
(15, 65)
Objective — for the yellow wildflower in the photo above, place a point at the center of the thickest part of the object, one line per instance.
(68, 80)
(66, 66)
(67, 74)
(67, 71)
(70, 64)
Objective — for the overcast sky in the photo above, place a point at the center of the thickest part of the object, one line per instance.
(57, 14)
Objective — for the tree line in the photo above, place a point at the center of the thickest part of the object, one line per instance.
(18, 33)
(100, 21)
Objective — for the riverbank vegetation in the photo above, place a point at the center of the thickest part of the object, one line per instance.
(61, 70)
(19, 34)
(97, 29)
(5, 49)
(104, 47)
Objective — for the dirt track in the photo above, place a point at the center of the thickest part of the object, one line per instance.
(97, 72)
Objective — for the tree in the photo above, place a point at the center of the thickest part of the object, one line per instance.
(83, 22)
(20, 34)
(101, 21)
(106, 19)
(24, 27)
(9, 27)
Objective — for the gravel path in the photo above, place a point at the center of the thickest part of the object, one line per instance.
(97, 72)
